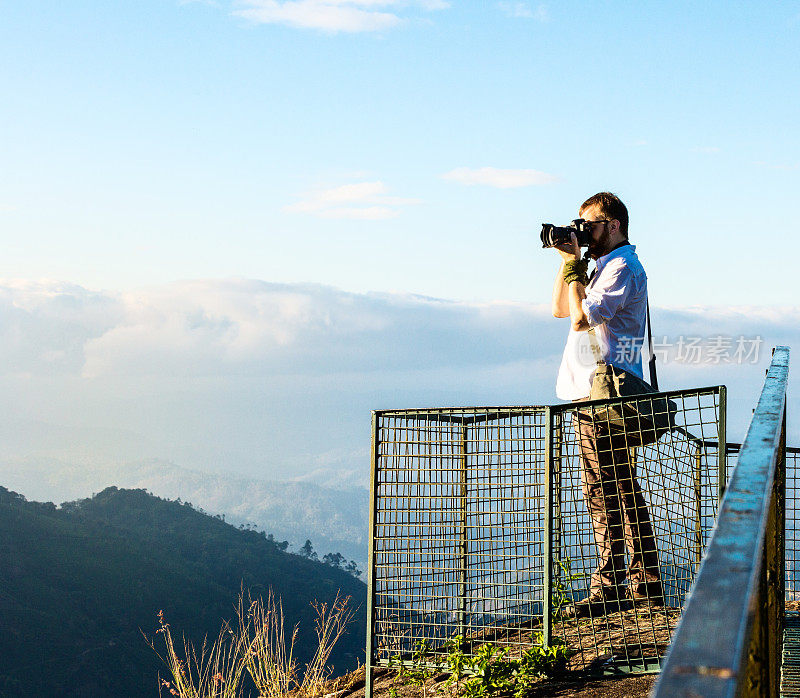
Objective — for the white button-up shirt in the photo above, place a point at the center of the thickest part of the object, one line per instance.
(616, 306)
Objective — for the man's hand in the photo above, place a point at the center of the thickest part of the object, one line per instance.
(570, 251)
(568, 300)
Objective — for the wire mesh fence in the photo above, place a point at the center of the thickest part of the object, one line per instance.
(498, 524)
(792, 523)
(792, 528)
(458, 533)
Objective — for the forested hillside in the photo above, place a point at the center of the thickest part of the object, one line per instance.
(79, 583)
(335, 519)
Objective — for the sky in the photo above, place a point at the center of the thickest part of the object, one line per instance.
(406, 145)
(231, 228)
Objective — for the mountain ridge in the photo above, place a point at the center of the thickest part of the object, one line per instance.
(79, 581)
(334, 519)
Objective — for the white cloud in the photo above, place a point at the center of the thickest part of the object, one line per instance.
(783, 167)
(367, 213)
(217, 326)
(244, 375)
(351, 192)
(46, 325)
(350, 16)
(206, 327)
(376, 204)
(501, 179)
(523, 10)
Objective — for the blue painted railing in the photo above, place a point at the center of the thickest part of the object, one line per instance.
(729, 639)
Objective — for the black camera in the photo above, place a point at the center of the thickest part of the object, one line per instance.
(553, 235)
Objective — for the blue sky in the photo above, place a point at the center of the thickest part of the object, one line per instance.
(310, 141)
(232, 228)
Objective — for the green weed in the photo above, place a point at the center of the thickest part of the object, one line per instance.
(489, 671)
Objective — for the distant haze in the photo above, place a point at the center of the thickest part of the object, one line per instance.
(276, 381)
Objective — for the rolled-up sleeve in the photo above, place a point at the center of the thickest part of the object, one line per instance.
(608, 293)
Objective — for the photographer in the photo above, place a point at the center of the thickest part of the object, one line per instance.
(607, 313)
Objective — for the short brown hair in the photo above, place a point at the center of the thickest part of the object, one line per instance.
(611, 207)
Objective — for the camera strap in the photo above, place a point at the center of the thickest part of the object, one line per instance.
(652, 362)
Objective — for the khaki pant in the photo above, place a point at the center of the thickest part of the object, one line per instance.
(618, 512)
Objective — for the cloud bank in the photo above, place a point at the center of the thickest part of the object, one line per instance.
(277, 380)
(220, 327)
(234, 326)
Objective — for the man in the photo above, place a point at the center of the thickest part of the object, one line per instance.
(613, 303)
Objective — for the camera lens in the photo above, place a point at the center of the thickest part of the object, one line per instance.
(553, 235)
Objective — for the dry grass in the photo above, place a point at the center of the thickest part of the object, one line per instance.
(331, 623)
(257, 649)
(214, 672)
(270, 659)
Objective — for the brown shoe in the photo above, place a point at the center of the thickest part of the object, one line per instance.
(651, 594)
(595, 605)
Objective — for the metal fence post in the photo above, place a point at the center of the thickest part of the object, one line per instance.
(722, 444)
(463, 550)
(368, 665)
(776, 567)
(558, 440)
(547, 610)
(698, 500)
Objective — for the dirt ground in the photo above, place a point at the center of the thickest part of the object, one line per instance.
(629, 634)
(627, 687)
(627, 638)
